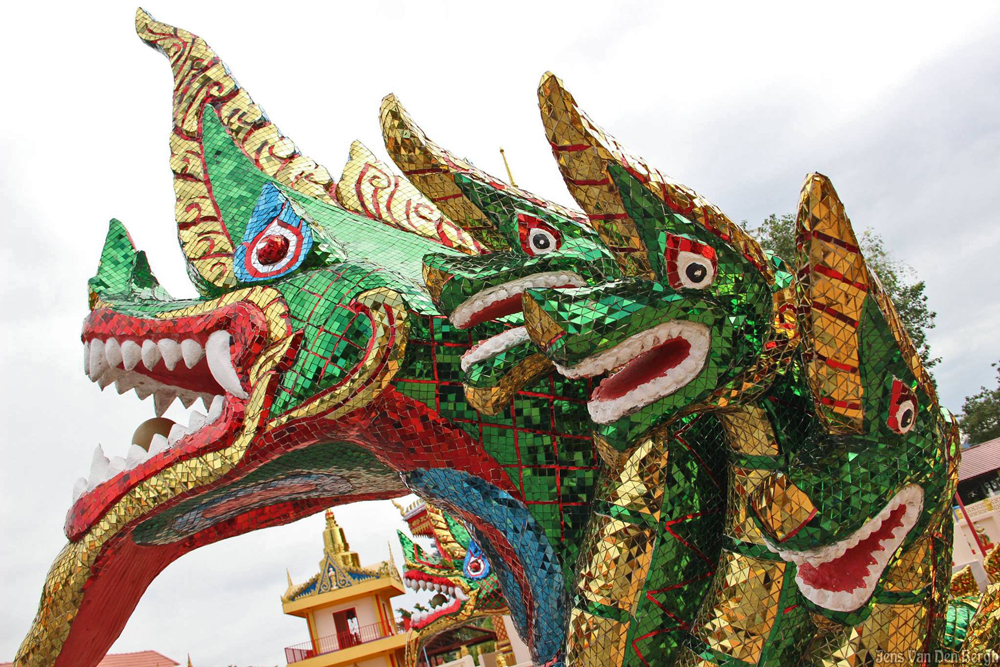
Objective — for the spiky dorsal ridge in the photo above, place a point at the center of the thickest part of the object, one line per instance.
(834, 282)
(584, 152)
(202, 82)
(433, 170)
(369, 187)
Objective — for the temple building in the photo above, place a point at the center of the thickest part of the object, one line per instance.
(977, 517)
(348, 609)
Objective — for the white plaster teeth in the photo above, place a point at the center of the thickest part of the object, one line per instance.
(474, 304)
(158, 443)
(912, 496)
(493, 346)
(220, 363)
(106, 379)
(215, 411)
(143, 393)
(192, 352)
(151, 354)
(176, 433)
(99, 468)
(86, 359)
(162, 400)
(79, 488)
(113, 352)
(604, 411)
(196, 420)
(170, 352)
(460, 595)
(98, 362)
(136, 455)
(131, 354)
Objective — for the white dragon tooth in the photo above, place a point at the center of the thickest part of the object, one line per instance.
(215, 411)
(150, 354)
(116, 464)
(79, 488)
(106, 379)
(113, 353)
(143, 393)
(206, 400)
(220, 363)
(196, 421)
(98, 363)
(187, 399)
(158, 443)
(124, 383)
(192, 352)
(171, 353)
(176, 433)
(99, 467)
(135, 455)
(131, 354)
(86, 359)
(162, 401)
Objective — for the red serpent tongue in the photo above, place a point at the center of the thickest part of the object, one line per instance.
(848, 572)
(495, 310)
(640, 370)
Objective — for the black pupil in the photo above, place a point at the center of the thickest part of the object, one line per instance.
(907, 418)
(696, 272)
(541, 241)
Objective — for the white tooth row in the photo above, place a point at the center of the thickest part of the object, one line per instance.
(103, 468)
(697, 336)
(424, 585)
(912, 498)
(106, 361)
(491, 347)
(463, 314)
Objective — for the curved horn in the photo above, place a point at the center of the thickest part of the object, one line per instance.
(433, 169)
(834, 281)
(583, 151)
(202, 82)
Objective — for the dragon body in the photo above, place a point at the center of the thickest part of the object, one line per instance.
(659, 466)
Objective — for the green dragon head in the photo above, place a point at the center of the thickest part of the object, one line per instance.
(872, 474)
(532, 243)
(698, 321)
(466, 583)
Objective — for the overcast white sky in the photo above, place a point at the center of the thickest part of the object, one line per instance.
(897, 102)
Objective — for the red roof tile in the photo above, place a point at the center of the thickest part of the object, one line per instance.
(979, 459)
(138, 659)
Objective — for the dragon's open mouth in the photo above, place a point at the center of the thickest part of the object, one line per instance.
(650, 365)
(205, 356)
(842, 576)
(505, 299)
(455, 597)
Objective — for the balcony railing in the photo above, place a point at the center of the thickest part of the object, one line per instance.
(337, 642)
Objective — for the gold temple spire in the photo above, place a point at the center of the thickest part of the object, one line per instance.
(335, 543)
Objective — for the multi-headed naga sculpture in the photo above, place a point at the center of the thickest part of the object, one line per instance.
(671, 447)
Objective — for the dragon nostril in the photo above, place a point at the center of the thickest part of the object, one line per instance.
(782, 509)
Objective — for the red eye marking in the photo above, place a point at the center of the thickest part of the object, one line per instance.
(272, 249)
(537, 237)
(902, 408)
(689, 264)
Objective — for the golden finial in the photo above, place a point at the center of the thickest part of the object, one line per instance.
(335, 543)
(509, 175)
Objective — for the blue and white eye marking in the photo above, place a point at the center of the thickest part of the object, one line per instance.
(476, 566)
(276, 241)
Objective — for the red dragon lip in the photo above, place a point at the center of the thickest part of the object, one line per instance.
(456, 597)
(205, 356)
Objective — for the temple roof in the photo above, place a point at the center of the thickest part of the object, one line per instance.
(339, 568)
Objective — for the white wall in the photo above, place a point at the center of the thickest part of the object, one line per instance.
(363, 607)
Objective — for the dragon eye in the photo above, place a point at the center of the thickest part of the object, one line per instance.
(276, 240)
(689, 264)
(475, 565)
(903, 410)
(537, 238)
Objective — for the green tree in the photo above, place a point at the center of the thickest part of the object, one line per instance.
(777, 235)
(981, 413)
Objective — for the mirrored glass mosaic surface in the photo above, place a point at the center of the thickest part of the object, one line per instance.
(650, 442)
